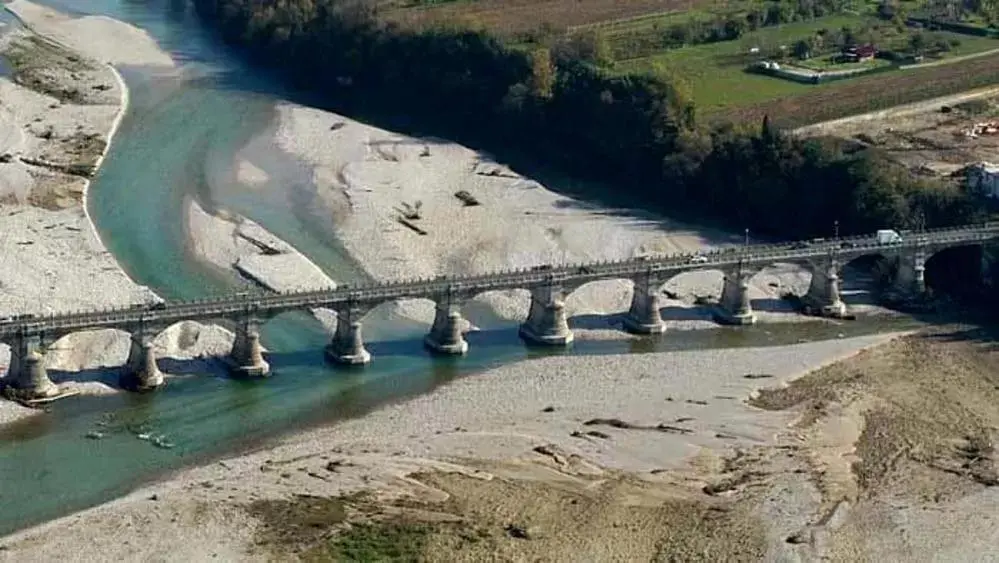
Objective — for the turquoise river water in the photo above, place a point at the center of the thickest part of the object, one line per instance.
(178, 142)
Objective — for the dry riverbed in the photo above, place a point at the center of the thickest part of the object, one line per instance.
(887, 453)
(614, 456)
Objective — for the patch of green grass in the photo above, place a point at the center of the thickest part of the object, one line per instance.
(966, 44)
(395, 541)
(716, 72)
(299, 521)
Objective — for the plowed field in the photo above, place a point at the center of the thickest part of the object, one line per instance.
(513, 16)
(879, 91)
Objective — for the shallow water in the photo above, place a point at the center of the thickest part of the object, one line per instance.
(177, 142)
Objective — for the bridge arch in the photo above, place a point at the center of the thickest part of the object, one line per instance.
(499, 307)
(707, 282)
(194, 339)
(600, 297)
(86, 349)
(955, 270)
(771, 283)
(398, 318)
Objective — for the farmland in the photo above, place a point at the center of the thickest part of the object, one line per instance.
(716, 72)
(870, 93)
(507, 17)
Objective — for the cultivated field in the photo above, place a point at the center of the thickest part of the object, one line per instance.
(506, 17)
(869, 93)
(716, 72)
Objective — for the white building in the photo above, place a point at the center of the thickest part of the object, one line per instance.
(983, 179)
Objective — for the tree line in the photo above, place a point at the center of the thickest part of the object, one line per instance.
(638, 133)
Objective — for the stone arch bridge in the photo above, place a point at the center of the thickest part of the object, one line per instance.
(546, 322)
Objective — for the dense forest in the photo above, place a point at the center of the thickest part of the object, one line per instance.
(637, 133)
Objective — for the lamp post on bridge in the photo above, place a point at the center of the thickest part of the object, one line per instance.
(746, 244)
(836, 230)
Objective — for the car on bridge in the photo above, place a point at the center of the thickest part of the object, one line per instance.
(21, 317)
(698, 259)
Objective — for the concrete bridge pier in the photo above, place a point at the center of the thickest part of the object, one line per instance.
(246, 358)
(347, 346)
(910, 279)
(26, 377)
(735, 307)
(445, 336)
(643, 317)
(140, 372)
(546, 322)
(823, 296)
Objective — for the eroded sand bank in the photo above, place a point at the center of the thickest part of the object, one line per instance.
(241, 246)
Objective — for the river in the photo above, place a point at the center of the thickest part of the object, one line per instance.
(178, 142)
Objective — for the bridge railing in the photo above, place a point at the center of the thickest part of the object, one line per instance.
(425, 287)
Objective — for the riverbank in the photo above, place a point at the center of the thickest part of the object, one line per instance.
(670, 419)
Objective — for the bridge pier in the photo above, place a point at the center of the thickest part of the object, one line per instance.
(140, 372)
(246, 358)
(643, 316)
(823, 293)
(445, 335)
(347, 346)
(735, 307)
(546, 322)
(26, 377)
(910, 279)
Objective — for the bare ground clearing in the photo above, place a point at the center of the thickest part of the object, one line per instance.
(929, 140)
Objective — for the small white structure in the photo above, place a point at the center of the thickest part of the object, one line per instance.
(983, 179)
(888, 236)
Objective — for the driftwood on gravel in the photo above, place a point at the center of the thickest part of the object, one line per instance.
(618, 423)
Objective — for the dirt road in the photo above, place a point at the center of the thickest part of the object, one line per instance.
(831, 127)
